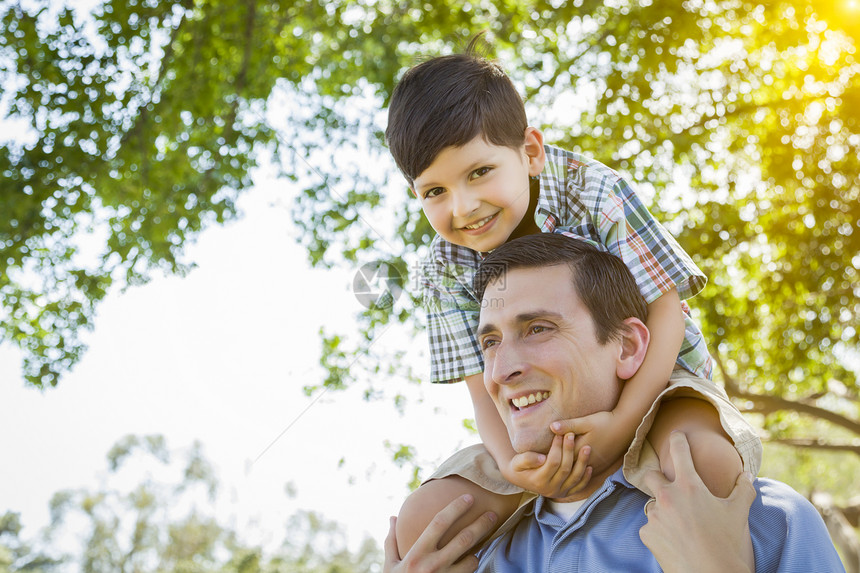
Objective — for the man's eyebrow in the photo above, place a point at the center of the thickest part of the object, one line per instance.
(520, 319)
(484, 329)
(536, 314)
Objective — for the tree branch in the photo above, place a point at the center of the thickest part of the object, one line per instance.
(747, 108)
(169, 50)
(765, 404)
(250, 22)
(819, 444)
(565, 66)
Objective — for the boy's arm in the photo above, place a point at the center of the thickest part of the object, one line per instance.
(610, 433)
(557, 474)
(492, 430)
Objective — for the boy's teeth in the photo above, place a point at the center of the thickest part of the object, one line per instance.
(479, 223)
(524, 401)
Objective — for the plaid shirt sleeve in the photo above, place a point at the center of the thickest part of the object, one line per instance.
(628, 230)
(625, 227)
(452, 318)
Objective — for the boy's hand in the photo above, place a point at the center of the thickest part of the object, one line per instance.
(604, 432)
(557, 474)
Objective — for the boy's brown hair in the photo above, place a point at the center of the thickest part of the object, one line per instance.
(448, 101)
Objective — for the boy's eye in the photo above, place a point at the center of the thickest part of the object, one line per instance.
(434, 192)
(480, 172)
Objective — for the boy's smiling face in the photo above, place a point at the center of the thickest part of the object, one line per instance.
(476, 195)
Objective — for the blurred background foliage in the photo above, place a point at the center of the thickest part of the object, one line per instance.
(739, 120)
(170, 520)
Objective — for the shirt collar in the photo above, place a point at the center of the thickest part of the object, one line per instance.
(545, 516)
(558, 170)
(535, 507)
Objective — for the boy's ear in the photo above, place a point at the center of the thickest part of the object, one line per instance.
(411, 188)
(535, 150)
(633, 346)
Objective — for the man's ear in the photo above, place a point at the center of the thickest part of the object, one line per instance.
(634, 344)
(535, 150)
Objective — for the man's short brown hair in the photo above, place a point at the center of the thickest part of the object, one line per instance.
(601, 280)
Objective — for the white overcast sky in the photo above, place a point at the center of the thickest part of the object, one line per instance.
(221, 356)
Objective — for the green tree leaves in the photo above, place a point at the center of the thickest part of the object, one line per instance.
(136, 133)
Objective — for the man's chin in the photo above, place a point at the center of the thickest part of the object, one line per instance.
(540, 444)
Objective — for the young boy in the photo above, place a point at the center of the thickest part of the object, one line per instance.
(458, 132)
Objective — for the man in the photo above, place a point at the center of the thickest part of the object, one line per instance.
(563, 321)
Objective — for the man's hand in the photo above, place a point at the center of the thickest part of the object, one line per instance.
(602, 431)
(557, 475)
(426, 557)
(688, 528)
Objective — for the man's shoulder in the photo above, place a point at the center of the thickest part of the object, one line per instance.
(787, 531)
(780, 513)
(777, 496)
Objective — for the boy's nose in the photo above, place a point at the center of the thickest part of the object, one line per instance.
(464, 204)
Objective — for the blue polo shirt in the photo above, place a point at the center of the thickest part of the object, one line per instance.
(788, 535)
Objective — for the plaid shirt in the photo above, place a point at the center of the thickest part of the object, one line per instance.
(582, 198)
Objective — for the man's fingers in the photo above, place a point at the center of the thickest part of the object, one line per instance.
(432, 534)
(424, 555)
(654, 479)
(744, 491)
(466, 565)
(392, 554)
(466, 540)
(682, 459)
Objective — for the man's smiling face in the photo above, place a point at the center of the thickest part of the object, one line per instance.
(542, 359)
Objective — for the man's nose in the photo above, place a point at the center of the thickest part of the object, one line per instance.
(464, 203)
(509, 364)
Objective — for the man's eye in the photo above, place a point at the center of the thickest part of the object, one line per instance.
(435, 192)
(480, 172)
(537, 329)
(488, 343)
